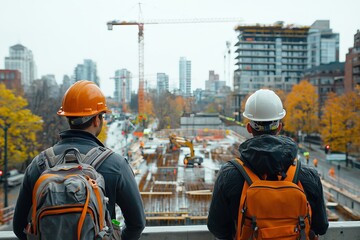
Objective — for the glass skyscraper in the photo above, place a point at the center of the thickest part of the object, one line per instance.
(87, 71)
(323, 44)
(185, 77)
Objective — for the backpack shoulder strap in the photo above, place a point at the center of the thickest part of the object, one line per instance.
(246, 172)
(46, 159)
(249, 177)
(96, 156)
(292, 174)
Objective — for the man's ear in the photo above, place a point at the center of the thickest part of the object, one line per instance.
(248, 128)
(279, 127)
(96, 121)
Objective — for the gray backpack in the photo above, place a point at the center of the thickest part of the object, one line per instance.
(68, 200)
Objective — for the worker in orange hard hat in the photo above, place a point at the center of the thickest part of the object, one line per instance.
(332, 172)
(84, 105)
(315, 161)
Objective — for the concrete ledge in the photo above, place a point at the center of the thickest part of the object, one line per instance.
(337, 231)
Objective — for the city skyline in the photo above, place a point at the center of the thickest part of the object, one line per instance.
(63, 34)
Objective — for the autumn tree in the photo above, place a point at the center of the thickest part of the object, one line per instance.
(301, 107)
(168, 109)
(21, 125)
(212, 108)
(44, 100)
(340, 122)
(148, 106)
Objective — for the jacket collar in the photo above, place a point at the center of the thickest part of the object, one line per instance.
(74, 133)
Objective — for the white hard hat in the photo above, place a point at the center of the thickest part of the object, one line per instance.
(263, 106)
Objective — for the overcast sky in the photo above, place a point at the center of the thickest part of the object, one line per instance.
(61, 34)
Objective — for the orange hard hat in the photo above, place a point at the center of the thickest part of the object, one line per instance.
(83, 98)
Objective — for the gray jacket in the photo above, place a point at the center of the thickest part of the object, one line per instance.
(120, 186)
(265, 154)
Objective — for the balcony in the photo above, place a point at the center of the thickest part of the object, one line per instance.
(337, 231)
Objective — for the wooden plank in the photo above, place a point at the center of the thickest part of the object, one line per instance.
(165, 218)
(164, 213)
(156, 193)
(198, 217)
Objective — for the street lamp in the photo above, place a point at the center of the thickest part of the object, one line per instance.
(5, 127)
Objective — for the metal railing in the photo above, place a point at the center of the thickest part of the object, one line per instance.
(337, 231)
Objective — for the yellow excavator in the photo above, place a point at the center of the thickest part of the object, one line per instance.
(190, 159)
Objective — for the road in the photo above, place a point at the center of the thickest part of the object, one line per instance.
(345, 177)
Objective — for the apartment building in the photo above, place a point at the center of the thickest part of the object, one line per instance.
(12, 80)
(123, 85)
(86, 71)
(21, 58)
(162, 83)
(352, 65)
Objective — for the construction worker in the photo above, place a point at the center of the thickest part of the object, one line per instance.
(265, 154)
(332, 172)
(307, 157)
(84, 105)
(315, 161)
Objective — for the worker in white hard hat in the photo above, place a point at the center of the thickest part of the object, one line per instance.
(264, 109)
(268, 155)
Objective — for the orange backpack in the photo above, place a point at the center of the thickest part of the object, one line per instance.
(272, 209)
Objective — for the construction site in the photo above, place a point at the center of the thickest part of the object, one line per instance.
(176, 171)
(176, 176)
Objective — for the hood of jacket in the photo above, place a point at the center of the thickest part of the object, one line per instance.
(268, 155)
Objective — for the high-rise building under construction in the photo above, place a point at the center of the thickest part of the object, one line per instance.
(270, 56)
(275, 56)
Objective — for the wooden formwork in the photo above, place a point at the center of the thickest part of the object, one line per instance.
(172, 194)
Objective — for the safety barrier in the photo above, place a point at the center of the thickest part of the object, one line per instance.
(6, 214)
(337, 231)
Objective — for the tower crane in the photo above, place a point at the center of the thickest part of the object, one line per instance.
(140, 24)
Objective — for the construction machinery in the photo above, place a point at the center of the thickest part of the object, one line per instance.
(140, 23)
(190, 159)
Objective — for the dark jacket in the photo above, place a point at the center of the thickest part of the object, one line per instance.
(263, 154)
(120, 186)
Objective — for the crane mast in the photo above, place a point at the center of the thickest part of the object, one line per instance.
(141, 93)
(140, 24)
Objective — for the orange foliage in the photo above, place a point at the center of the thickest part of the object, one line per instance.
(301, 107)
(341, 121)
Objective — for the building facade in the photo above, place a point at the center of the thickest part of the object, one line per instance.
(326, 78)
(271, 56)
(214, 84)
(12, 80)
(20, 58)
(352, 65)
(123, 85)
(162, 83)
(86, 71)
(185, 77)
(323, 44)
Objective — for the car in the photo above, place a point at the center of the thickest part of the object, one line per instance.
(14, 178)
